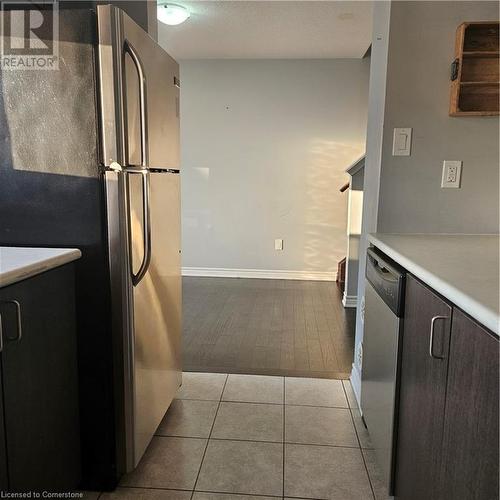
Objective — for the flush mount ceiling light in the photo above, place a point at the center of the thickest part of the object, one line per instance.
(171, 14)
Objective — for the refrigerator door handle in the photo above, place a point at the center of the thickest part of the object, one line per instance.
(129, 49)
(146, 225)
(146, 181)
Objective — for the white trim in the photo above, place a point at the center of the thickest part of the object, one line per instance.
(219, 272)
(355, 379)
(349, 300)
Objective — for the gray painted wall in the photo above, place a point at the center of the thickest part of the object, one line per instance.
(421, 48)
(264, 147)
(403, 194)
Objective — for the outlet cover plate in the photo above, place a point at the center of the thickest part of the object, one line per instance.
(452, 174)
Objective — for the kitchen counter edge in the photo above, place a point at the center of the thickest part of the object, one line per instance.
(449, 289)
(20, 263)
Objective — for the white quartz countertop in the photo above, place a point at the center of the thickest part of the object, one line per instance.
(18, 263)
(462, 268)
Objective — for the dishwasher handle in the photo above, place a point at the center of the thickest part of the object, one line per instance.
(382, 271)
(386, 269)
(387, 279)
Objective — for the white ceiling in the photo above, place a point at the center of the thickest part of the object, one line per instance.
(241, 29)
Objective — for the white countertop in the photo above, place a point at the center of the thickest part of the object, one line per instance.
(18, 263)
(462, 268)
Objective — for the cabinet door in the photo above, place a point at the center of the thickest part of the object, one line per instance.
(422, 393)
(4, 482)
(470, 445)
(40, 382)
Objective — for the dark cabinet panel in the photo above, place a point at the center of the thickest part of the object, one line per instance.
(470, 445)
(422, 392)
(4, 481)
(40, 386)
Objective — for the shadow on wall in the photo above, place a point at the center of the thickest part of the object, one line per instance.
(5, 149)
(326, 214)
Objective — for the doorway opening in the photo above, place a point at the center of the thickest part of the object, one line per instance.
(269, 126)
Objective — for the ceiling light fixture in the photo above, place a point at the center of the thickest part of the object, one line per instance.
(171, 14)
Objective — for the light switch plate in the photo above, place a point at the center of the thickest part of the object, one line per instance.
(401, 143)
(278, 244)
(452, 174)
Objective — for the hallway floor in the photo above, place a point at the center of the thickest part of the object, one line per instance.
(238, 437)
(267, 327)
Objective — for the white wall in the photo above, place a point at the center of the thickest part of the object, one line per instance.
(376, 108)
(264, 147)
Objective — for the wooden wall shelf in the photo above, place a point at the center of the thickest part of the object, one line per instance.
(475, 86)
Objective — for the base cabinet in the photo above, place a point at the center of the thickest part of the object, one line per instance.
(469, 466)
(447, 436)
(422, 392)
(39, 434)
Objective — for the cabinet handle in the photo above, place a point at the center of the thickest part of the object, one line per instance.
(431, 337)
(1, 334)
(18, 319)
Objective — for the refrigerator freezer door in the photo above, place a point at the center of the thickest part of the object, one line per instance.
(156, 304)
(139, 93)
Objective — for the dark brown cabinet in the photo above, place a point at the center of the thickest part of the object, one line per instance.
(422, 392)
(469, 467)
(39, 430)
(447, 436)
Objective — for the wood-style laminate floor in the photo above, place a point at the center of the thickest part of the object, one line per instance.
(267, 327)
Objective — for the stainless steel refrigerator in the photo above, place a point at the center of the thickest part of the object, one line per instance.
(139, 92)
(91, 160)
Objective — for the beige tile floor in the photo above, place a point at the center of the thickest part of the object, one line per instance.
(238, 437)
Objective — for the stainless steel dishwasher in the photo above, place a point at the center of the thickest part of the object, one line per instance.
(384, 307)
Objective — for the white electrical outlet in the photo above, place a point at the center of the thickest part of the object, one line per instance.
(452, 174)
(278, 244)
(359, 355)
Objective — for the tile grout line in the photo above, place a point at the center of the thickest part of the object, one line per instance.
(209, 436)
(270, 403)
(359, 442)
(251, 495)
(281, 441)
(283, 437)
(160, 488)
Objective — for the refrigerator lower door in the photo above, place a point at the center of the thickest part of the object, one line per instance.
(156, 305)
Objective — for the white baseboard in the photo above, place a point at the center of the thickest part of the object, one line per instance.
(349, 300)
(355, 379)
(218, 272)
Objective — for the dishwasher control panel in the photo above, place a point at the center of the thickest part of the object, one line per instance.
(387, 278)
